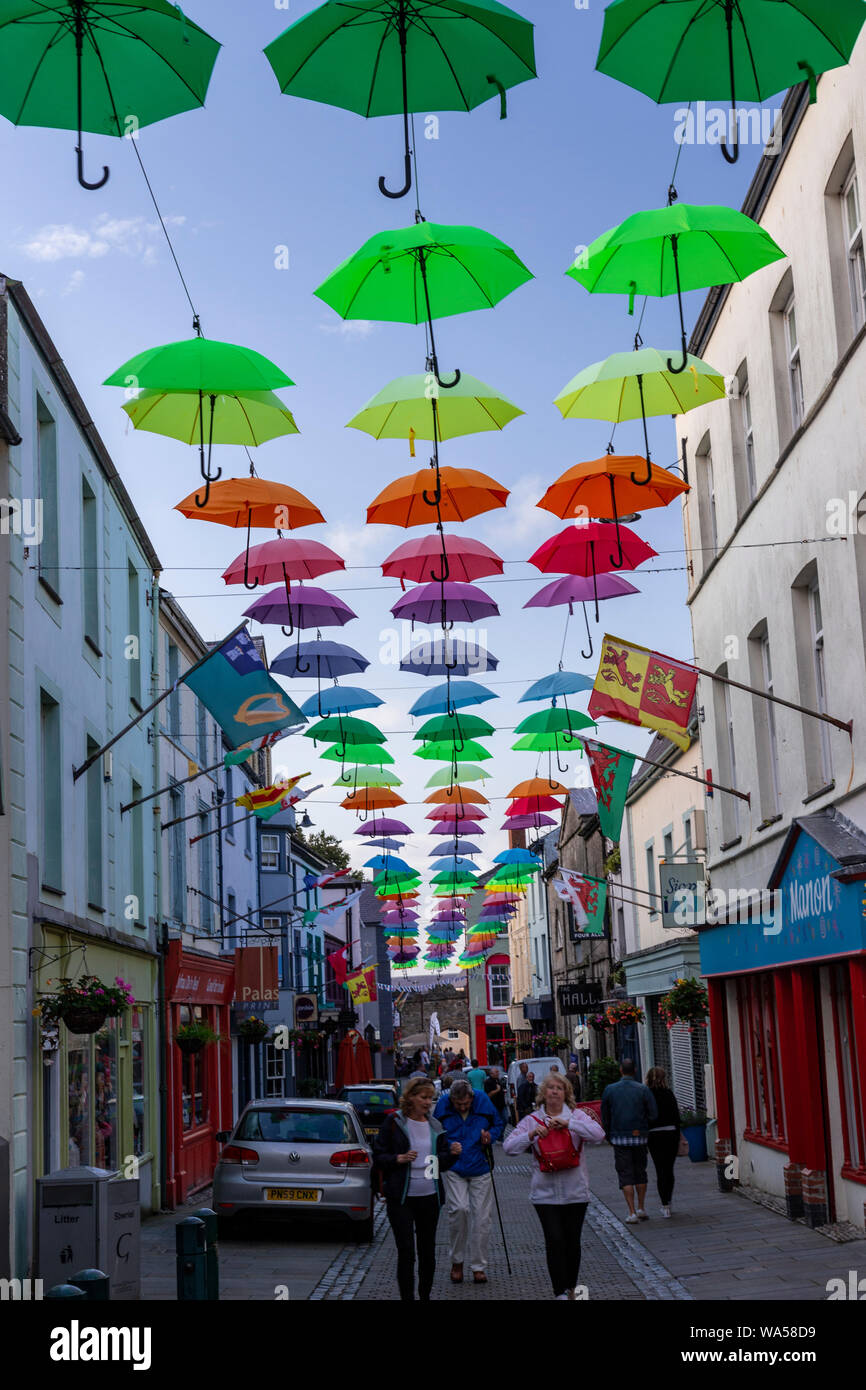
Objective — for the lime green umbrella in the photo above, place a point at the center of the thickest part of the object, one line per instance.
(716, 50)
(445, 726)
(369, 778)
(421, 273)
(361, 753)
(668, 250)
(202, 367)
(632, 385)
(445, 751)
(345, 730)
(250, 418)
(382, 57)
(457, 775)
(405, 407)
(107, 66)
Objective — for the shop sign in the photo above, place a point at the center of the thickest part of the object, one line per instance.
(579, 998)
(682, 887)
(256, 975)
(306, 1009)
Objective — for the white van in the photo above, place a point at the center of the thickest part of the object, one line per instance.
(539, 1066)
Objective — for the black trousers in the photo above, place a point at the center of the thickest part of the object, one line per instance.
(562, 1226)
(663, 1151)
(415, 1219)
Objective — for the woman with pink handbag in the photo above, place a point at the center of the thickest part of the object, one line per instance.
(559, 1190)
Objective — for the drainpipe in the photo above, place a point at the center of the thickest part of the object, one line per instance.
(162, 1035)
(160, 928)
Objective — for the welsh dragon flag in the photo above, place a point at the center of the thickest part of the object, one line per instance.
(611, 770)
(588, 898)
(643, 687)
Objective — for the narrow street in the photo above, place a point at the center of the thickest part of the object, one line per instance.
(716, 1246)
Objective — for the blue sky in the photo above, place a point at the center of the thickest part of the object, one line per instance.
(255, 171)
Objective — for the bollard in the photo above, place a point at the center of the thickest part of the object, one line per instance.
(190, 1258)
(65, 1291)
(209, 1218)
(94, 1284)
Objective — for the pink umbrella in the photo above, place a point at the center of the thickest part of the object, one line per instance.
(586, 550)
(465, 827)
(384, 826)
(420, 559)
(283, 560)
(455, 812)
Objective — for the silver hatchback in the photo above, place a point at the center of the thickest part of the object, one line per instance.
(296, 1158)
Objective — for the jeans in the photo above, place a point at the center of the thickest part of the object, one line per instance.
(562, 1225)
(415, 1219)
(663, 1150)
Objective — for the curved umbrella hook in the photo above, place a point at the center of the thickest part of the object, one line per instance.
(450, 665)
(446, 567)
(675, 370)
(642, 482)
(616, 561)
(304, 666)
(79, 148)
(586, 655)
(205, 471)
(383, 187)
(255, 583)
(559, 766)
(731, 155)
(449, 385)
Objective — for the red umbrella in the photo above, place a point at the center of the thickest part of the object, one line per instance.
(283, 559)
(465, 559)
(354, 1062)
(530, 805)
(587, 549)
(454, 813)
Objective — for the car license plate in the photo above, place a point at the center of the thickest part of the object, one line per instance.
(371, 1129)
(293, 1194)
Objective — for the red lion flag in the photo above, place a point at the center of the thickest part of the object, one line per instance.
(638, 686)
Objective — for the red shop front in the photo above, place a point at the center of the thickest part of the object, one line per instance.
(197, 987)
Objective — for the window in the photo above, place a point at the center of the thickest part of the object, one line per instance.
(851, 1083)
(46, 473)
(499, 985)
(138, 1038)
(230, 808)
(51, 799)
(232, 912)
(201, 732)
(136, 856)
(93, 779)
(248, 836)
(270, 851)
(853, 229)
(92, 1100)
(726, 753)
(195, 1100)
(275, 1072)
(205, 874)
(90, 565)
(795, 373)
(173, 670)
(817, 635)
(764, 713)
(748, 437)
(297, 961)
(759, 1041)
(176, 857)
(687, 834)
(272, 928)
(668, 845)
(809, 647)
(133, 634)
(707, 501)
(651, 875)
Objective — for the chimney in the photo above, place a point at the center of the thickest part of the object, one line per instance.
(517, 839)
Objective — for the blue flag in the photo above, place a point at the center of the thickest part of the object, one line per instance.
(234, 685)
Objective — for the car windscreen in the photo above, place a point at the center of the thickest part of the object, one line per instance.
(297, 1126)
(384, 1099)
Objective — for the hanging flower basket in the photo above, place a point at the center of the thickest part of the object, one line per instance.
(600, 1023)
(688, 1002)
(84, 1004)
(192, 1037)
(624, 1012)
(253, 1029)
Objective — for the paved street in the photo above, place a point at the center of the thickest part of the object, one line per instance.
(716, 1246)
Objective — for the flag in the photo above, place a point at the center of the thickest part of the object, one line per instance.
(324, 880)
(611, 771)
(642, 687)
(288, 801)
(588, 898)
(334, 910)
(240, 755)
(269, 798)
(234, 686)
(362, 985)
(338, 963)
(191, 768)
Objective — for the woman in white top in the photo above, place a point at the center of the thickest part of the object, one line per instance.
(561, 1197)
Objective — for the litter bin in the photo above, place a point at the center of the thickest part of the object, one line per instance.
(87, 1218)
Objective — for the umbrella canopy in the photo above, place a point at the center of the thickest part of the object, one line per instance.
(446, 750)
(328, 660)
(457, 773)
(454, 728)
(457, 846)
(527, 822)
(547, 687)
(385, 843)
(340, 699)
(252, 502)
(200, 364)
(249, 418)
(84, 67)
(518, 855)
(420, 559)
(344, 730)
(452, 695)
(529, 805)
(404, 409)
(372, 799)
(451, 601)
(385, 861)
(443, 655)
(384, 825)
(458, 796)
(629, 385)
(464, 826)
(443, 494)
(365, 754)
(538, 786)
(604, 488)
(308, 606)
(579, 589)
(556, 720)
(368, 778)
(286, 559)
(455, 811)
(448, 862)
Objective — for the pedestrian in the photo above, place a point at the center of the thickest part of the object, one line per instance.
(469, 1118)
(411, 1151)
(448, 1056)
(494, 1089)
(627, 1111)
(573, 1075)
(664, 1135)
(526, 1094)
(457, 1062)
(476, 1076)
(424, 1058)
(559, 1195)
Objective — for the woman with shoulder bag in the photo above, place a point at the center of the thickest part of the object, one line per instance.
(665, 1137)
(556, 1133)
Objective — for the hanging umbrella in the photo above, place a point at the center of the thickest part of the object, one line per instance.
(455, 811)
(587, 550)
(385, 861)
(367, 799)
(247, 418)
(457, 797)
(306, 606)
(385, 843)
(418, 560)
(459, 847)
(451, 601)
(451, 696)
(384, 825)
(744, 49)
(251, 502)
(529, 805)
(344, 730)
(330, 660)
(366, 754)
(456, 863)
(607, 488)
(548, 687)
(446, 494)
(576, 588)
(83, 66)
(672, 249)
(528, 822)
(405, 409)
(557, 720)
(383, 57)
(454, 727)
(368, 778)
(340, 699)
(424, 272)
(283, 559)
(518, 855)
(443, 655)
(445, 751)
(538, 786)
(464, 826)
(457, 774)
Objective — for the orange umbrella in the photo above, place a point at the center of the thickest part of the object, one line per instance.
(538, 786)
(372, 798)
(456, 796)
(254, 502)
(417, 500)
(605, 488)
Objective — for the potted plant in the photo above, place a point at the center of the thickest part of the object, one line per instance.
(253, 1029)
(84, 1004)
(688, 1002)
(624, 1012)
(693, 1124)
(600, 1023)
(192, 1037)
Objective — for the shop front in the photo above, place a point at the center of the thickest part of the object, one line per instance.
(788, 1024)
(649, 976)
(95, 1094)
(198, 989)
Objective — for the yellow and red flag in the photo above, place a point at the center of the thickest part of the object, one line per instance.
(269, 796)
(638, 686)
(362, 986)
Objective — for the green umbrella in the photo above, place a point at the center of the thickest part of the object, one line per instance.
(201, 367)
(369, 779)
(406, 406)
(107, 66)
(345, 730)
(553, 721)
(445, 751)
(443, 726)
(382, 57)
(421, 273)
(672, 249)
(632, 385)
(678, 52)
(250, 417)
(361, 753)
(455, 776)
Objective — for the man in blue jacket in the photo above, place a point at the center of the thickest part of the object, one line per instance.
(469, 1118)
(628, 1109)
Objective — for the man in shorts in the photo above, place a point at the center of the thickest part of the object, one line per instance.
(628, 1109)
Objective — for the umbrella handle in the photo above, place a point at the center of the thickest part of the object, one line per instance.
(731, 155)
(446, 568)
(383, 188)
(503, 101)
(255, 583)
(85, 183)
(448, 385)
(675, 371)
(616, 561)
(642, 482)
(79, 148)
(399, 193)
(586, 655)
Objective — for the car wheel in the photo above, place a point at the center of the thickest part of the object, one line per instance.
(363, 1230)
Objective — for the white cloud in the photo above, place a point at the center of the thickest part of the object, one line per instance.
(131, 236)
(75, 281)
(349, 328)
(521, 520)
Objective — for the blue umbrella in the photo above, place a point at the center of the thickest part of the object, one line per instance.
(340, 699)
(559, 683)
(451, 861)
(386, 844)
(463, 658)
(325, 660)
(459, 847)
(452, 695)
(517, 856)
(386, 861)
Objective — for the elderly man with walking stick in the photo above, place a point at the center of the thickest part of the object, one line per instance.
(471, 1120)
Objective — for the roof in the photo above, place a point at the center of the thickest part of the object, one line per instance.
(840, 837)
(584, 801)
(547, 846)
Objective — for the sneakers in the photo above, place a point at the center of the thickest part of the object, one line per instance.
(632, 1219)
(666, 1211)
(641, 1215)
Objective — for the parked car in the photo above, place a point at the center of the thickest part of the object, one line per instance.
(372, 1103)
(540, 1066)
(295, 1159)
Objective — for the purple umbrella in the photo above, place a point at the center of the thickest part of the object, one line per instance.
(577, 588)
(384, 825)
(494, 910)
(396, 914)
(308, 607)
(387, 844)
(527, 822)
(454, 601)
(463, 827)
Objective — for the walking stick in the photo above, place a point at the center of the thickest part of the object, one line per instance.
(489, 1151)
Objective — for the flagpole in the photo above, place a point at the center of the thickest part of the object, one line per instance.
(182, 781)
(194, 839)
(77, 771)
(666, 767)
